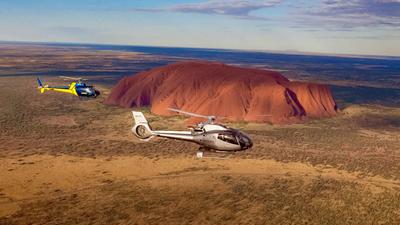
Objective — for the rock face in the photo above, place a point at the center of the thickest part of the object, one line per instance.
(217, 89)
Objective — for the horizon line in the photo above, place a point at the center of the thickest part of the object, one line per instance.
(283, 52)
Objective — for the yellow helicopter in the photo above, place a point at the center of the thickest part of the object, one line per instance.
(77, 88)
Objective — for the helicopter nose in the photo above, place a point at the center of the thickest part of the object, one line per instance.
(250, 144)
(246, 143)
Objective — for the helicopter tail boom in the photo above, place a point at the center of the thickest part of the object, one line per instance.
(143, 131)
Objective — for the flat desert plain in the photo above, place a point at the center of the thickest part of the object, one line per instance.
(66, 161)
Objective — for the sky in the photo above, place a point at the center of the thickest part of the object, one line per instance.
(362, 27)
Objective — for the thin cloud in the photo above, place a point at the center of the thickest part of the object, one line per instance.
(349, 14)
(236, 8)
(338, 15)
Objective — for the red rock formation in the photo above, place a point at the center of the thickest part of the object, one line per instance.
(316, 99)
(222, 90)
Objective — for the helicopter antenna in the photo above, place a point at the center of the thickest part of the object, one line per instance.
(211, 119)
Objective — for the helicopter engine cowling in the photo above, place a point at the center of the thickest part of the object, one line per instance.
(142, 131)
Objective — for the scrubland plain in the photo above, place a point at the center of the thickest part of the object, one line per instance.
(66, 161)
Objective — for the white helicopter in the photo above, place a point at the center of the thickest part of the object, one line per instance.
(210, 136)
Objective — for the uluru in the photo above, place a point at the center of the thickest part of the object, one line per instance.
(235, 93)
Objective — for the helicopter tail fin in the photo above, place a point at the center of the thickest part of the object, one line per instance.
(41, 86)
(39, 82)
(141, 129)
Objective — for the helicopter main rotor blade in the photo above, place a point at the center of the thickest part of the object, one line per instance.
(189, 113)
(72, 78)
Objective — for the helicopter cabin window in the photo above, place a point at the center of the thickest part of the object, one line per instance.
(228, 138)
(198, 130)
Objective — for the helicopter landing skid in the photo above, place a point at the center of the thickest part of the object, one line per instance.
(85, 99)
(210, 154)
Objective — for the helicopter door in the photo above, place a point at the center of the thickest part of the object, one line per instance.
(207, 140)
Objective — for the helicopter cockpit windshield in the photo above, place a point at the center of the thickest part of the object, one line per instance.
(245, 142)
(228, 137)
(236, 138)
